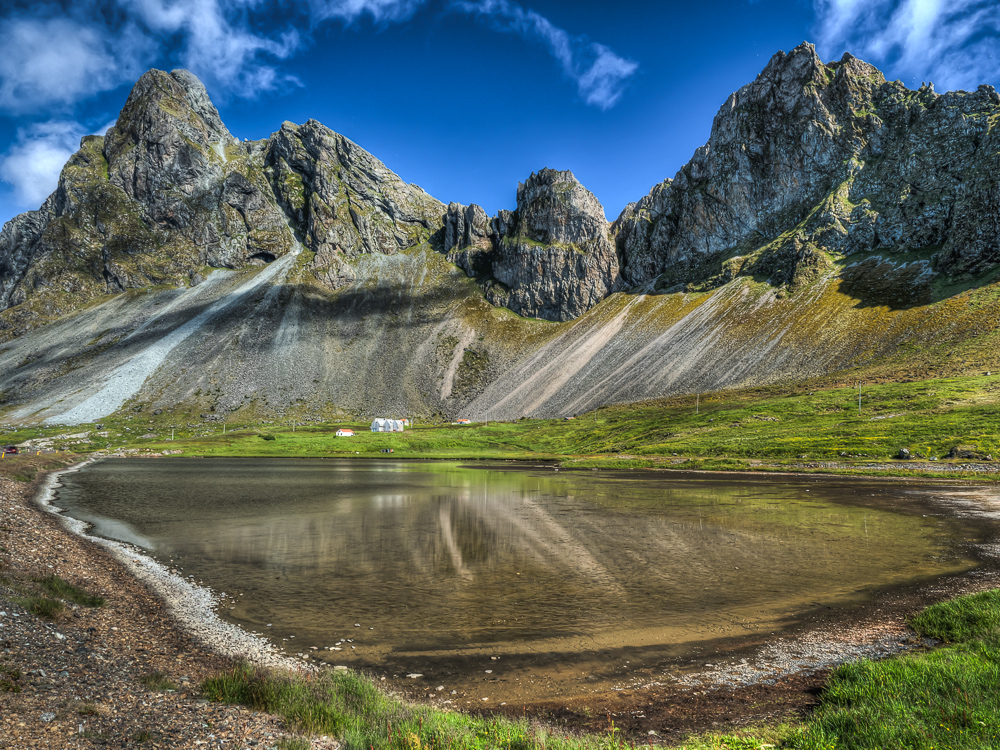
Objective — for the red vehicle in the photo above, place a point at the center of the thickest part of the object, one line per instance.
(11, 449)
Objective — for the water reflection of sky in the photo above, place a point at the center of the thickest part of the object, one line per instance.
(438, 554)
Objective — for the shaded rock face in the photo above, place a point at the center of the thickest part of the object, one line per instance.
(342, 200)
(551, 258)
(468, 239)
(813, 161)
(554, 258)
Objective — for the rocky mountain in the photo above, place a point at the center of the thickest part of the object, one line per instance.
(168, 193)
(814, 162)
(833, 219)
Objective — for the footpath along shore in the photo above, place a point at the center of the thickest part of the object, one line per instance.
(124, 674)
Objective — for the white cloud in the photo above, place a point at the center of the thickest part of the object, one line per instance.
(32, 165)
(50, 61)
(218, 45)
(952, 42)
(600, 74)
(381, 11)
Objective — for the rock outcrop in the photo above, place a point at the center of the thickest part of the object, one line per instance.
(551, 258)
(813, 162)
(554, 258)
(468, 238)
(343, 201)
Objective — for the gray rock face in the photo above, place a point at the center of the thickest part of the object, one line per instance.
(342, 199)
(169, 190)
(554, 258)
(813, 161)
(469, 238)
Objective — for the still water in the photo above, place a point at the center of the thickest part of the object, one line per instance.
(433, 567)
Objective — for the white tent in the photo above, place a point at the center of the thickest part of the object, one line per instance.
(381, 424)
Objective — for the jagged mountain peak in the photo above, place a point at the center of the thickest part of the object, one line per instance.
(816, 176)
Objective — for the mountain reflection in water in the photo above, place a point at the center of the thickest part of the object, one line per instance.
(437, 556)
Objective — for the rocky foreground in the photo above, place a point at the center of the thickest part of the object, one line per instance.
(118, 675)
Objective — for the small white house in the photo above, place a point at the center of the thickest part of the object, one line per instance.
(381, 424)
(345, 433)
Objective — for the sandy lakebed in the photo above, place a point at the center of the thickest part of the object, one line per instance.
(80, 680)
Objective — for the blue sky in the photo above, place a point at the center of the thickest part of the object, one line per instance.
(463, 97)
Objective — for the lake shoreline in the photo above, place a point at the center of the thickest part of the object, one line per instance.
(709, 699)
(109, 675)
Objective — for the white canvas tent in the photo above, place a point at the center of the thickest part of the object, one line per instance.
(381, 424)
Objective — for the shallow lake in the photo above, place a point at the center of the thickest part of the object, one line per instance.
(566, 578)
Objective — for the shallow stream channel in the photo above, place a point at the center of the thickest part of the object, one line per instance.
(517, 582)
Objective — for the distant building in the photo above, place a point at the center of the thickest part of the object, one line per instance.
(345, 433)
(381, 424)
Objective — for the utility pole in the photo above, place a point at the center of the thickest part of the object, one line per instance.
(859, 398)
(697, 402)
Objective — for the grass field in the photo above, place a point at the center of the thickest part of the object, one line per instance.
(729, 429)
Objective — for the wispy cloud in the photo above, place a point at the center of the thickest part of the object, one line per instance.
(218, 44)
(952, 42)
(600, 74)
(380, 11)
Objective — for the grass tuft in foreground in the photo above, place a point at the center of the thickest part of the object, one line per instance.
(157, 681)
(63, 589)
(353, 709)
(946, 698)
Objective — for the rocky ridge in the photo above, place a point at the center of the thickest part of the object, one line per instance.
(832, 218)
(551, 258)
(168, 194)
(812, 163)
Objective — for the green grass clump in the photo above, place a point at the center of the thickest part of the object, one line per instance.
(354, 710)
(157, 681)
(945, 698)
(10, 679)
(63, 589)
(964, 619)
(41, 606)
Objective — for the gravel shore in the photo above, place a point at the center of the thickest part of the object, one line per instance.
(79, 681)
